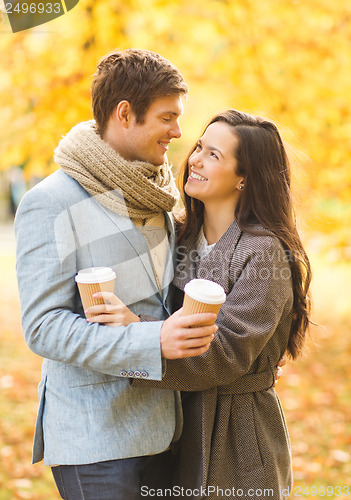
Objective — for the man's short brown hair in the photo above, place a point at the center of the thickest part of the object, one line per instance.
(137, 76)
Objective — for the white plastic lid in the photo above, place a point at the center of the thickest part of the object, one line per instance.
(205, 291)
(95, 275)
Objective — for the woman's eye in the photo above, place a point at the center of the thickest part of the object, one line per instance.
(214, 155)
(167, 120)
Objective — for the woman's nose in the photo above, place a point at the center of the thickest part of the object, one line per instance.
(195, 160)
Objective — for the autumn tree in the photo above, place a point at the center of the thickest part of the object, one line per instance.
(288, 60)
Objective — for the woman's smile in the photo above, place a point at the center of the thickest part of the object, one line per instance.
(197, 177)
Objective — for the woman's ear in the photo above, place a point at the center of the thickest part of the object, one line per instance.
(241, 184)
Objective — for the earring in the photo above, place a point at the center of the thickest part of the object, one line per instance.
(241, 186)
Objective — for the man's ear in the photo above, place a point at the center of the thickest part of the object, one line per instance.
(122, 113)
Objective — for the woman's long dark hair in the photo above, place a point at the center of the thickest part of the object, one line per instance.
(265, 200)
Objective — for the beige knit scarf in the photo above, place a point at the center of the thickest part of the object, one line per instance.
(136, 189)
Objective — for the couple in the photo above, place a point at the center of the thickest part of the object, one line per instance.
(111, 423)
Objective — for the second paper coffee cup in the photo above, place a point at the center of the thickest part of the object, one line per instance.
(92, 280)
(203, 296)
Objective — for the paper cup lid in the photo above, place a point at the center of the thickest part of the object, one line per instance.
(95, 275)
(205, 291)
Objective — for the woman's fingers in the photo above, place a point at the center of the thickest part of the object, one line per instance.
(106, 319)
(104, 309)
(108, 298)
(112, 304)
(282, 362)
(112, 313)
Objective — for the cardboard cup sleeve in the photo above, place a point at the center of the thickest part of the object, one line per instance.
(93, 280)
(203, 296)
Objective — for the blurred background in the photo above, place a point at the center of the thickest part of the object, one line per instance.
(287, 60)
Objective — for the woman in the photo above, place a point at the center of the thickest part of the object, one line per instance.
(238, 230)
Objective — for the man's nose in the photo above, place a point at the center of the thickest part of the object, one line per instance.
(176, 131)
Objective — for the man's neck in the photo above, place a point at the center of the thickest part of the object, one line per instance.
(111, 138)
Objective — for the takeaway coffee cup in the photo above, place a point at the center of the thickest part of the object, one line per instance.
(203, 296)
(92, 280)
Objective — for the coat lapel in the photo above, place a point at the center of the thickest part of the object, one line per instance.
(215, 266)
(187, 261)
(169, 270)
(127, 227)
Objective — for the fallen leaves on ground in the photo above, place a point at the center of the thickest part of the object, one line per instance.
(315, 394)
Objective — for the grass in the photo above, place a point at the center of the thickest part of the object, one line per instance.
(315, 393)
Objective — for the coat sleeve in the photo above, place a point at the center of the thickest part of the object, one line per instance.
(259, 301)
(46, 267)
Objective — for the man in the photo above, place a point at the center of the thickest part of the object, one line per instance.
(108, 205)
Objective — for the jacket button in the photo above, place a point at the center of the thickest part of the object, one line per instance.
(123, 373)
(137, 373)
(144, 374)
(130, 373)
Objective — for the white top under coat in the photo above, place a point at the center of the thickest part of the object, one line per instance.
(202, 247)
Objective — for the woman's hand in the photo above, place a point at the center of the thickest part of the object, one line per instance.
(279, 373)
(112, 313)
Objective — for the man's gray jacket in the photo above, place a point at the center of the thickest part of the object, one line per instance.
(88, 410)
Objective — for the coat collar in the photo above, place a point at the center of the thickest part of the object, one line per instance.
(127, 227)
(215, 266)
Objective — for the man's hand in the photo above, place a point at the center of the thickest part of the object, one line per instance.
(184, 337)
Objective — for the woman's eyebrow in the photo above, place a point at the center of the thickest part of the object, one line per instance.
(212, 148)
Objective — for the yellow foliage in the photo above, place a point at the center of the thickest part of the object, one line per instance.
(286, 60)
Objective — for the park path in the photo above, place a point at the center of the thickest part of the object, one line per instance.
(9, 299)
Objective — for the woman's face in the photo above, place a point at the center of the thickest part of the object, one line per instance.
(212, 166)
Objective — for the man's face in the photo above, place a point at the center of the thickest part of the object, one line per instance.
(149, 141)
